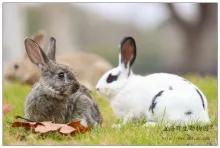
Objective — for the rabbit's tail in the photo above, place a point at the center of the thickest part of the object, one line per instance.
(204, 117)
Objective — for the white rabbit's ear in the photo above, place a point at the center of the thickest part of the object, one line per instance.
(51, 51)
(35, 53)
(128, 52)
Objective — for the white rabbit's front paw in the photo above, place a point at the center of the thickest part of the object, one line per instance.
(116, 126)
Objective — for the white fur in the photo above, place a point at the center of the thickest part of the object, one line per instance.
(131, 95)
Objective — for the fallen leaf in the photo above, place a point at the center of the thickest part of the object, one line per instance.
(76, 126)
(67, 130)
(41, 129)
(52, 126)
(25, 124)
(74, 123)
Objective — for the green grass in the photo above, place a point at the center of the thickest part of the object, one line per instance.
(130, 134)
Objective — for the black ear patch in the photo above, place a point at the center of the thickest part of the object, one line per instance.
(112, 78)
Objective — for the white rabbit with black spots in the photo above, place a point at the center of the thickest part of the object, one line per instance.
(160, 97)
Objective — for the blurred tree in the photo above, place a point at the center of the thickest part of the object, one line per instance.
(200, 38)
(56, 20)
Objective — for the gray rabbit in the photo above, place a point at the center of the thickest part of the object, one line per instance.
(58, 96)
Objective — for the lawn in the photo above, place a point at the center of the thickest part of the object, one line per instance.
(130, 134)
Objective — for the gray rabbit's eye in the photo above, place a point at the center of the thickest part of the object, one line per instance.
(61, 75)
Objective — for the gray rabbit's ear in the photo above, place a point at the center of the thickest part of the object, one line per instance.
(39, 38)
(128, 52)
(51, 51)
(35, 53)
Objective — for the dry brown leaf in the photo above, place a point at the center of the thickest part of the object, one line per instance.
(67, 130)
(48, 126)
(25, 124)
(78, 126)
(74, 123)
(41, 129)
(52, 126)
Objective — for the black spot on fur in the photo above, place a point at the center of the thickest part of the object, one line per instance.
(112, 78)
(201, 98)
(153, 104)
(170, 88)
(188, 113)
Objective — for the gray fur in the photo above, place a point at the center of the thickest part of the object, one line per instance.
(58, 99)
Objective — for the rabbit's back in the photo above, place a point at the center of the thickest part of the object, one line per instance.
(164, 81)
(82, 106)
